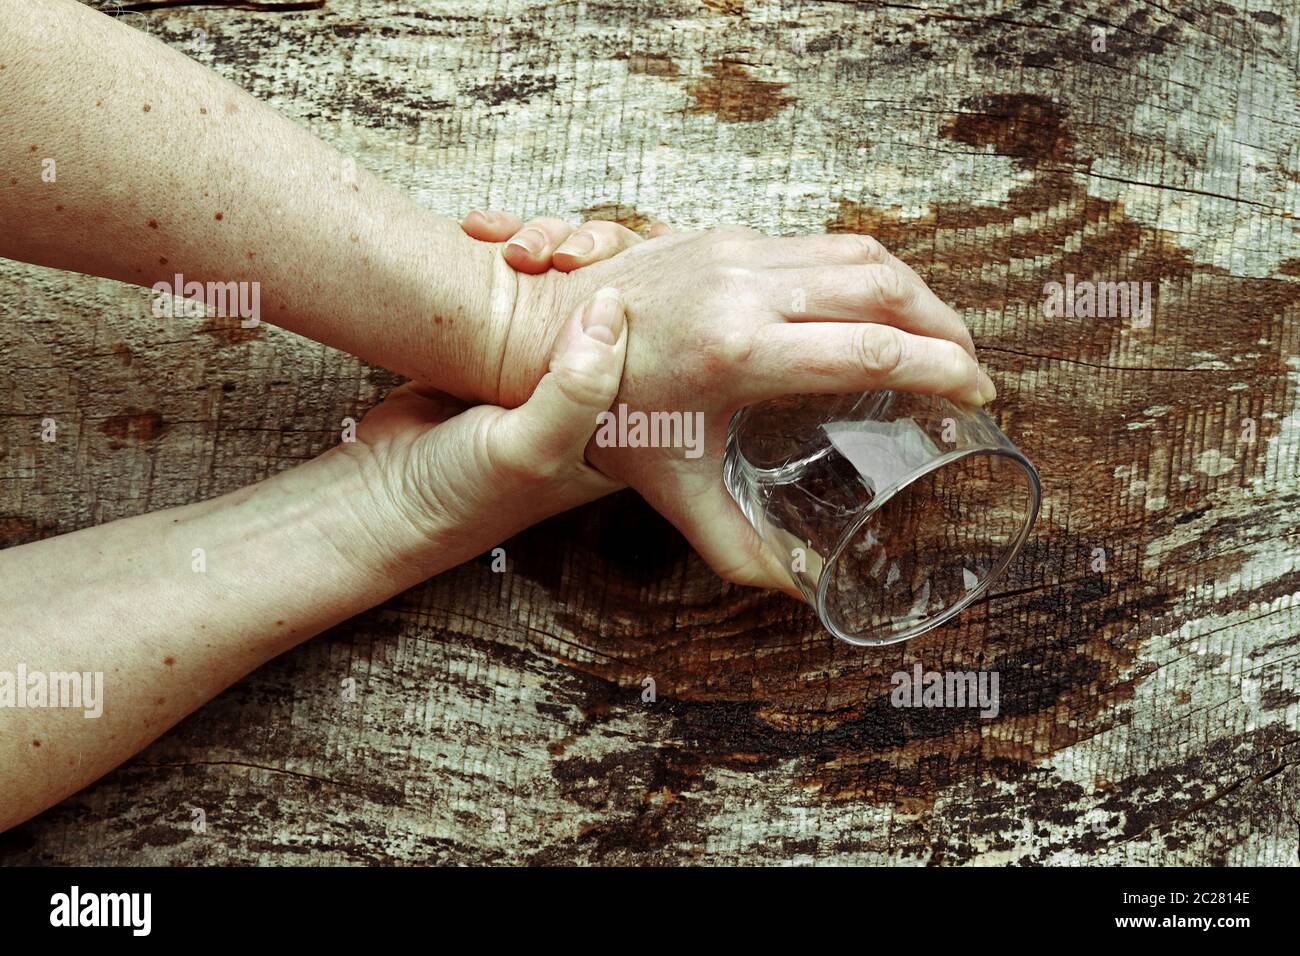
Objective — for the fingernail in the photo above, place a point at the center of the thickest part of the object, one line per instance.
(578, 244)
(476, 212)
(603, 321)
(532, 241)
(987, 389)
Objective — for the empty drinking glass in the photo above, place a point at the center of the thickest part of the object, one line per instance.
(892, 511)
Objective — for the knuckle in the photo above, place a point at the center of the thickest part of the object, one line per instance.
(588, 387)
(728, 351)
(735, 285)
(880, 348)
(887, 289)
(865, 249)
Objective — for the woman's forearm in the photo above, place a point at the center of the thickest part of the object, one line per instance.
(123, 158)
(157, 614)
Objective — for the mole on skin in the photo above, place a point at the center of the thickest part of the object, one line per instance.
(169, 661)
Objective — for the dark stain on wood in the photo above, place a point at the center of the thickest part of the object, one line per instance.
(628, 216)
(841, 733)
(651, 64)
(1027, 127)
(726, 8)
(19, 529)
(733, 94)
(134, 424)
(517, 90)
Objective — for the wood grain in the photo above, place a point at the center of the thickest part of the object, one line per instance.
(1148, 711)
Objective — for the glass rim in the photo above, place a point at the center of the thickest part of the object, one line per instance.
(870, 508)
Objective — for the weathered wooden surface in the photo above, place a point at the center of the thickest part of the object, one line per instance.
(1149, 712)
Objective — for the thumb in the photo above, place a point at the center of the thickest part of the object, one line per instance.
(548, 433)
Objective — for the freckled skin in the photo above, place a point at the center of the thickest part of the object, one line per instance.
(419, 263)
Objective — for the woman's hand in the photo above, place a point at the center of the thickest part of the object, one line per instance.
(465, 478)
(147, 609)
(728, 317)
(544, 244)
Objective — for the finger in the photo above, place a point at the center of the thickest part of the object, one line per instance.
(491, 226)
(829, 249)
(593, 242)
(549, 431)
(798, 252)
(529, 250)
(838, 357)
(660, 229)
(715, 526)
(874, 292)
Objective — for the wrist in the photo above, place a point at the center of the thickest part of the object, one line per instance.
(461, 302)
(342, 506)
(542, 305)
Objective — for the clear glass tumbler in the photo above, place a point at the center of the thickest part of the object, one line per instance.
(892, 511)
